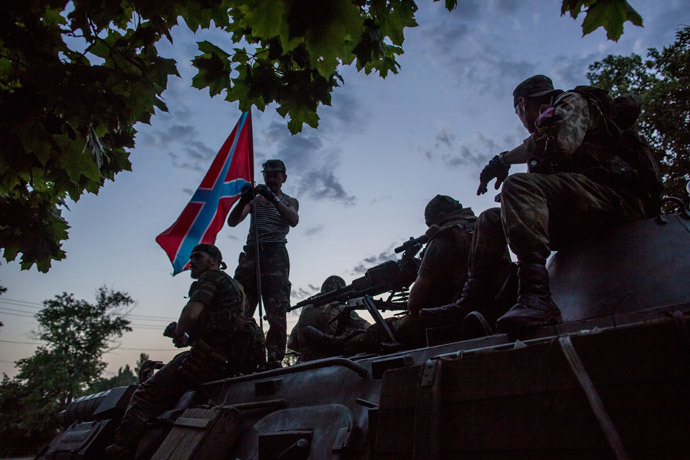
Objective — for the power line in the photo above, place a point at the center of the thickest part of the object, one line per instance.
(17, 314)
(19, 303)
(21, 343)
(116, 348)
(13, 309)
(25, 302)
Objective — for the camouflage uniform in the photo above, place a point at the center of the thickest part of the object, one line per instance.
(222, 327)
(275, 288)
(445, 264)
(322, 318)
(574, 191)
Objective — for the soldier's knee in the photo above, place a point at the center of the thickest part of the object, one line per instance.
(489, 217)
(519, 184)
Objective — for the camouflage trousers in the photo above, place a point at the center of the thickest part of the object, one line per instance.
(544, 212)
(407, 329)
(275, 291)
(326, 318)
(152, 397)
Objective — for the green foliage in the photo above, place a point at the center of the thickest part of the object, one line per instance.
(75, 78)
(609, 14)
(124, 377)
(77, 334)
(663, 84)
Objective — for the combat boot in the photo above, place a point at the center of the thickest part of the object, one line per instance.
(328, 343)
(473, 297)
(534, 305)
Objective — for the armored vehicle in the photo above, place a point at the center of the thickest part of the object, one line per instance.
(610, 382)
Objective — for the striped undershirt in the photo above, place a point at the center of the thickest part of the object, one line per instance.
(272, 227)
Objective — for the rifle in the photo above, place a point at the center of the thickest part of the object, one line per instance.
(394, 276)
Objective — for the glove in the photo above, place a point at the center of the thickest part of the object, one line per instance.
(261, 189)
(248, 195)
(170, 330)
(181, 341)
(495, 169)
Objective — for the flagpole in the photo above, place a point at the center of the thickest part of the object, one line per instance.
(258, 266)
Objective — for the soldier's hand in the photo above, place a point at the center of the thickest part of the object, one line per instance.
(261, 189)
(180, 342)
(247, 196)
(170, 330)
(494, 170)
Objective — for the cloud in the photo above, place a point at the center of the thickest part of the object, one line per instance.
(310, 166)
(322, 184)
(314, 230)
(445, 137)
(503, 7)
(460, 155)
(464, 158)
(302, 293)
(373, 261)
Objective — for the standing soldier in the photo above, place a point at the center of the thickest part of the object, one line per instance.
(273, 213)
(223, 344)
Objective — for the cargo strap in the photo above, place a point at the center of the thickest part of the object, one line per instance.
(593, 397)
(427, 420)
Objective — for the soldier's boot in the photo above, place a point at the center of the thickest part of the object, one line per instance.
(330, 344)
(473, 297)
(534, 305)
(475, 325)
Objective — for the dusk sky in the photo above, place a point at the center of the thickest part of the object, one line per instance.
(381, 152)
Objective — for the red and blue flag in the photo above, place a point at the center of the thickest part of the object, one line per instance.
(230, 175)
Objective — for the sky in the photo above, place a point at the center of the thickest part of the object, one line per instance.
(382, 150)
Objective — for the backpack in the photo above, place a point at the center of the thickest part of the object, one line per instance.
(621, 113)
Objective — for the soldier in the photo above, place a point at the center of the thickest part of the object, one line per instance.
(579, 182)
(276, 212)
(440, 278)
(223, 344)
(326, 318)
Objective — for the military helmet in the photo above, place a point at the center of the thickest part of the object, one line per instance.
(332, 283)
(439, 204)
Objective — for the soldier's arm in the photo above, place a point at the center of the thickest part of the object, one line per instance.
(200, 295)
(288, 210)
(190, 313)
(561, 129)
(419, 293)
(239, 213)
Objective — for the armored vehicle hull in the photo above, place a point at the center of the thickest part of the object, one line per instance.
(610, 382)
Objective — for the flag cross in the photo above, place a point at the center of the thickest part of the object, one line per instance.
(205, 213)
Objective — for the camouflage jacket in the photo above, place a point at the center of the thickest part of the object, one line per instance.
(224, 301)
(576, 134)
(444, 261)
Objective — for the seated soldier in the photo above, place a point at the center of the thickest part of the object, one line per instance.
(327, 318)
(584, 175)
(223, 344)
(439, 280)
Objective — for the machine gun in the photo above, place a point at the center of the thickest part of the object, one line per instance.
(393, 276)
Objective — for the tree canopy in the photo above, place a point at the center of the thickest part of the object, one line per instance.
(662, 81)
(76, 76)
(76, 334)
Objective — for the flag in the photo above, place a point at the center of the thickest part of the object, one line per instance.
(230, 175)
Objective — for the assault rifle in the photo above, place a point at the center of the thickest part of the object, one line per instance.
(393, 276)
